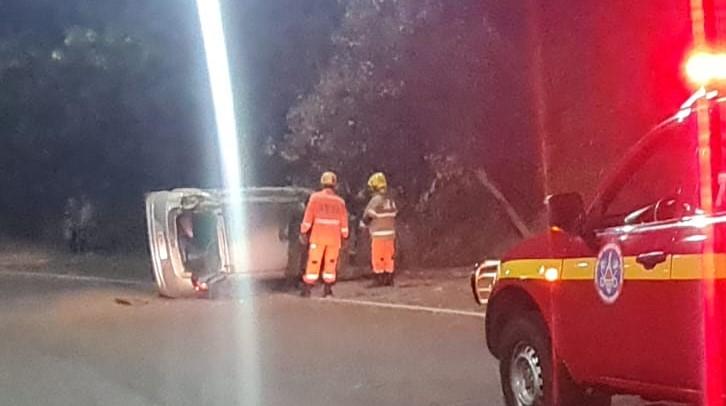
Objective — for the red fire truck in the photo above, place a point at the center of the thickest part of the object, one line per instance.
(624, 295)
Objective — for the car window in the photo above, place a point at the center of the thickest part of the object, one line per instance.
(662, 182)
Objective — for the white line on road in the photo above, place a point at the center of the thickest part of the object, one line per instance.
(72, 277)
(403, 307)
(333, 300)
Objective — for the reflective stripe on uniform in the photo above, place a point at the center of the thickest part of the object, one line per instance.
(386, 233)
(310, 278)
(327, 221)
(328, 276)
(376, 215)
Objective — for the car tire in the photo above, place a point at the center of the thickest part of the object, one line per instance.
(527, 373)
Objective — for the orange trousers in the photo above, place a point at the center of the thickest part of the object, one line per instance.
(321, 258)
(382, 255)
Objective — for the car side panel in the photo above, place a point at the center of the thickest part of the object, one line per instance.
(598, 343)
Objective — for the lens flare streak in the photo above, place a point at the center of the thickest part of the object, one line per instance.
(242, 342)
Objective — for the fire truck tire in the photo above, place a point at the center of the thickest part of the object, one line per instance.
(526, 370)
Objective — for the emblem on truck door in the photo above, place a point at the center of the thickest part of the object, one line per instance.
(609, 273)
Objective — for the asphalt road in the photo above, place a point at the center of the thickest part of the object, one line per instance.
(93, 343)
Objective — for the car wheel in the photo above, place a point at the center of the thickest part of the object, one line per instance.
(525, 364)
(526, 370)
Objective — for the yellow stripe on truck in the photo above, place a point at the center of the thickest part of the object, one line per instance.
(637, 272)
(528, 268)
(676, 267)
(690, 267)
(584, 269)
(578, 269)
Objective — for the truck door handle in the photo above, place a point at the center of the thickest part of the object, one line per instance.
(650, 259)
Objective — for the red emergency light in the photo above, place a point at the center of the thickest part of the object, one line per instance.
(703, 68)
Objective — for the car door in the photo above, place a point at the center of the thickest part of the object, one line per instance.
(619, 314)
(166, 257)
(173, 264)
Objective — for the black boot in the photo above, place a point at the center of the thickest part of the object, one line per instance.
(377, 281)
(388, 279)
(306, 289)
(328, 290)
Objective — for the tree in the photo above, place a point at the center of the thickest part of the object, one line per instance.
(607, 73)
(414, 88)
(111, 98)
(91, 104)
(277, 49)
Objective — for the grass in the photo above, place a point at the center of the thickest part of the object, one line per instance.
(39, 258)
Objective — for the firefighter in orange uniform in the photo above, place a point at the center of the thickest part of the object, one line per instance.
(380, 218)
(326, 224)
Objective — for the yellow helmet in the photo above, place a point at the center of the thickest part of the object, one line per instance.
(377, 182)
(329, 179)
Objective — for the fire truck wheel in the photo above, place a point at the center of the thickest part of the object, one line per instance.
(525, 364)
(526, 368)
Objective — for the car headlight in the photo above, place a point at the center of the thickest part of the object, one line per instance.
(483, 280)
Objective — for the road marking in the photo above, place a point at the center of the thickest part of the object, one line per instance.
(72, 277)
(404, 307)
(333, 300)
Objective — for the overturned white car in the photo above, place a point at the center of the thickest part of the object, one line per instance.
(192, 249)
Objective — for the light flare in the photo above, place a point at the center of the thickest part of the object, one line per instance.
(242, 343)
(551, 274)
(703, 68)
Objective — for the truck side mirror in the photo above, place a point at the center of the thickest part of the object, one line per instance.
(566, 211)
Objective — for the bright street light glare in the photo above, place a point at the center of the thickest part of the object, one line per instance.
(703, 68)
(243, 332)
(215, 47)
(210, 16)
